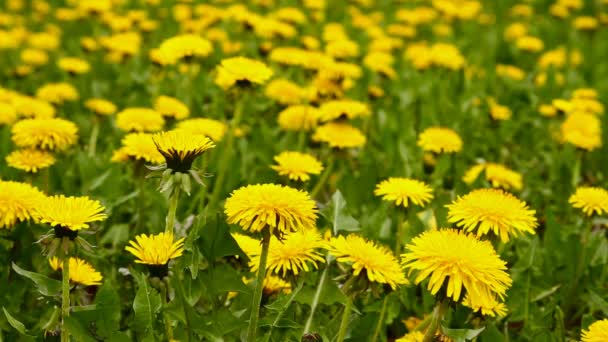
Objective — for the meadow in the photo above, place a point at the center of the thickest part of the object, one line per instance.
(303, 170)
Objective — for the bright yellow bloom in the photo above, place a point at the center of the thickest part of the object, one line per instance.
(464, 260)
(492, 210)
(17, 202)
(46, 134)
(287, 92)
(33, 108)
(211, 128)
(590, 199)
(139, 120)
(529, 43)
(582, 130)
(171, 107)
(274, 284)
(597, 332)
(491, 308)
(548, 111)
(414, 336)
(138, 146)
(510, 71)
(184, 46)
(378, 263)
(280, 209)
(81, 272)
(250, 246)
(297, 165)
(439, 140)
(498, 175)
(241, 70)
(155, 249)
(72, 213)
(181, 148)
(100, 106)
(336, 109)
(402, 191)
(499, 112)
(299, 118)
(8, 113)
(30, 160)
(74, 65)
(339, 135)
(57, 93)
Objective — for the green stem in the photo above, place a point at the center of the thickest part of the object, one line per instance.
(168, 328)
(424, 324)
(301, 140)
(315, 299)
(345, 319)
(93, 137)
(580, 266)
(576, 172)
(173, 200)
(182, 296)
(380, 320)
(283, 310)
(324, 177)
(65, 296)
(438, 313)
(402, 220)
(141, 203)
(259, 286)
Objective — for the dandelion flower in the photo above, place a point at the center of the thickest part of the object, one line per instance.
(74, 65)
(274, 284)
(376, 262)
(492, 307)
(46, 134)
(299, 118)
(597, 332)
(492, 210)
(184, 46)
(181, 148)
(414, 336)
(339, 135)
(69, 213)
(471, 266)
(171, 107)
(211, 128)
(241, 70)
(81, 272)
(155, 249)
(250, 246)
(440, 140)
(30, 160)
(280, 209)
(139, 120)
(139, 146)
(402, 191)
(17, 202)
(297, 165)
(31, 107)
(336, 109)
(100, 106)
(582, 130)
(498, 175)
(8, 113)
(590, 199)
(57, 93)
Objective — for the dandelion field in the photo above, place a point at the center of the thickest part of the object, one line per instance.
(310, 170)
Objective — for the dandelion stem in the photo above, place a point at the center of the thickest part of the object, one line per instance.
(316, 298)
(324, 177)
(402, 221)
(345, 319)
(380, 319)
(181, 293)
(93, 137)
(173, 200)
(438, 313)
(141, 203)
(163, 294)
(259, 286)
(65, 295)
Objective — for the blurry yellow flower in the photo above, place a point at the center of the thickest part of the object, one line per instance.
(286, 92)
(138, 146)
(547, 110)
(402, 191)
(585, 93)
(100, 106)
(558, 58)
(591, 200)
(491, 307)
(57, 93)
(81, 272)
(585, 23)
(299, 118)
(211, 128)
(46, 134)
(34, 57)
(30, 160)
(297, 166)
(32, 107)
(336, 109)
(529, 43)
(342, 49)
(439, 140)
(17, 202)
(515, 31)
(596, 332)
(44, 40)
(497, 174)
(557, 78)
(171, 107)
(73, 65)
(510, 71)
(241, 71)
(139, 119)
(339, 135)
(499, 112)
(184, 46)
(8, 113)
(414, 336)
(582, 130)
(376, 263)
(69, 213)
(274, 284)
(155, 249)
(181, 148)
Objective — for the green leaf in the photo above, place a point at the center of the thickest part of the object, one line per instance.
(117, 235)
(147, 305)
(216, 241)
(598, 302)
(222, 279)
(461, 335)
(107, 302)
(337, 213)
(15, 323)
(77, 330)
(45, 285)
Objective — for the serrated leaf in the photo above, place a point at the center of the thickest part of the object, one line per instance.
(15, 323)
(45, 285)
(337, 213)
(107, 302)
(215, 240)
(147, 305)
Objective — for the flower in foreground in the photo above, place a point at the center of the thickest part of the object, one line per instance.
(402, 191)
(241, 70)
(30, 160)
(155, 249)
(181, 148)
(597, 332)
(280, 209)
(70, 213)
(440, 140)
(17, 202)
(492, 210)
(46, 134)
(471, 266)
(297, 165)
(591, 200)
(376, 262)
(81, 272)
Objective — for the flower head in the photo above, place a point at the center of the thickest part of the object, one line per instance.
(492, 307)
(138, 146)
(241, 70)
(81, 272)
(57, 93)
(155, 249)
(171, 107)
(414, 336)
(582, 130)
(470, 266)
(181, 148)
(339, 135)
(590, 199)
(402, 191)
(274, 284)
(74, 65)
(494, 210)
(100, 106)
(597, 332)
(350, 109)
(139, 120)
(30, 160)
(299, 118)
(46, 134)
(184, 46)
(17, 202)
(71, 213)
(211, 128)
(498, 175)
(376, 262)
(280, 209)
(297, 165)
(440, 140)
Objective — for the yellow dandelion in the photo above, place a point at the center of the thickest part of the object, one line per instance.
(81, 272)
(30, 160)
(17, 202)
(250, 246)
(498, 175)
(414, 336)
(492, 210)
(211, 128)
(376, 262)
(155, 249)
(171, 107)
(582, 130)
(184, 46)
(280, 209)
(100, 106)
(8, 113)
(274, 284)
(590, 199)
(336, 109)
(299, 118)
(139, 120)
(402, 191)
(74, 65)
(241, 71)
(339, 135)
(138, 146)
(440, 140)
(181, 148)
(57, 93)
(286, 92)
(297, 165)
(470, 266)
(492, 307)
(46, 134)
(33, 108)
(69, 213)
(597, 332)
